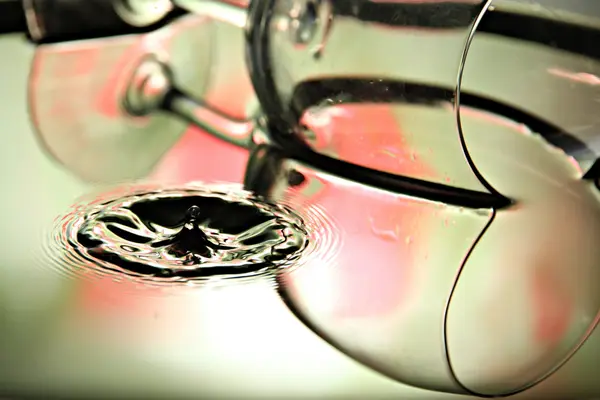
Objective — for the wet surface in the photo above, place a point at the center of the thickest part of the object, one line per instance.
(68, 336)
(86, 324)
(184, 234)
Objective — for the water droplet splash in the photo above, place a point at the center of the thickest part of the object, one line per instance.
(185, 234)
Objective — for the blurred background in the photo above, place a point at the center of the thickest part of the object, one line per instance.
(62, 337)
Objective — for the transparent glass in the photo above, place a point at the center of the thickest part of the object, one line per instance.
(537, 304)
(70, 336)
(493, 96)
(436, 296)
(357, 52)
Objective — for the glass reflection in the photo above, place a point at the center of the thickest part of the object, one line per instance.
(536, 305)
(402, 51)
(381, 300)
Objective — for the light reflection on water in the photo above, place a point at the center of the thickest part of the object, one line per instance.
(106, 339)
(145, 233)
(73, 337)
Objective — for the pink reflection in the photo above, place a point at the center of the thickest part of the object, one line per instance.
(378, 268)
(367, 135)
(551, 316)
(553, 312)
(110, 296)
(77, 63)
(201, 157)
(197, 156)
(143, 315)
(78, 60)
(373, 270)
(107, 101)
(376, 265)
(578, 77)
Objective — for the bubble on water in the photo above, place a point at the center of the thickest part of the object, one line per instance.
(188, 234)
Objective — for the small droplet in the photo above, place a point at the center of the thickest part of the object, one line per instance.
(193, 213)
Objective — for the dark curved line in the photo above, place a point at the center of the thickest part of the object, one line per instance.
(260, 14)
(374, 90)
(266, 158)
(282, 122)
(447, 310)
(457, 102)
(399, 184)
(551, 371)
(284, 295)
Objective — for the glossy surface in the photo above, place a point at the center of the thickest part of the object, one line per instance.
(542, 54)
(383, 305)
(62, 337)
(380, 300)
(526, 298)
(553, 259)
(515, 126)
(546, 66)
(181, 235)
(309, 78)
(83, 130)
(106, 81)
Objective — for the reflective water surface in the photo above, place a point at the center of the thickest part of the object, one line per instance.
(65, 335)
(190, 233)
(69, 337)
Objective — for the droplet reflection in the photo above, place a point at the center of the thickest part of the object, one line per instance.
(194, 233)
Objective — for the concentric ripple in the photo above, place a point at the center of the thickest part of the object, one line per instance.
(185, 234)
